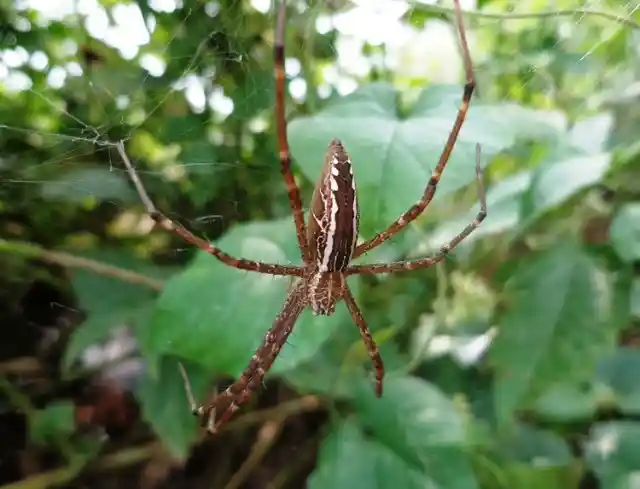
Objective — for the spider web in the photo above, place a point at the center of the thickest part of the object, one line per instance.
(69, 152)
(123, 27)
(86, 166)
(126, 34)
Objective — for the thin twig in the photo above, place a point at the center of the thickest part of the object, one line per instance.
(286, 409)
(57, 477)
(29, 250)
(267, 436)
(17, 398)
(21, 366)
(437, 9)
(131, 456)
(303, 457)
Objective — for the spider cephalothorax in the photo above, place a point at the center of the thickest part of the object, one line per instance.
(327, 244)
(324, 290)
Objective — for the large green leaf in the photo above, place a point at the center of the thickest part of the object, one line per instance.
(217, 316)
(503, 204)
(613, 452)
(350, 460)
(554, 323)
(614, 385)
(591, 134)
(557, 181)
(394, 157)
(625, 232)
(421, 425)
(532, 458)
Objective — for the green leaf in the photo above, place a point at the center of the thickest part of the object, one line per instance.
(622, 298)
(591, 134)
(533, 458)
(254, 95)
(540, 476)
(54, 422)
(557, 181)
(613, 386)
(421, 425)
(619, 372)
(199, 158)
(79, 184)
(394, 158)
(634, 299)
(554, 323)
(104, 294)
(109, 302)
(625, 232)
(182, 128)
(99, 326)
(370, 464)
(503, 204)
(165, 406)
(217, 316)
(534, 445)
(566, 403)
(613, 453)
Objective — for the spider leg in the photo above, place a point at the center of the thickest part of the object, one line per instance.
(444, 251)
(195, 408)
(168, 225)
(365, 334)
(418, 208)
(283, 144)
(240, 391)
(241, 397)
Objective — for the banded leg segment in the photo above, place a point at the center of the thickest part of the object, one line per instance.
(403, 266)
(283, 144)
(430, 190)
(227, 403)
(365, 334)
(169, 225)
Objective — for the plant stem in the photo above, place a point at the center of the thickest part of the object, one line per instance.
(29, 250)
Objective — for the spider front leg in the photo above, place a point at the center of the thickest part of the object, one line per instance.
(283, 143)
(444, 251)
(237, 393)
(227, 403)
(429, 192)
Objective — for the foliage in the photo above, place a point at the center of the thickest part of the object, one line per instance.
(509, 365)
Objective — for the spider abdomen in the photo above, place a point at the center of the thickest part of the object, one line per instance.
(334, 216)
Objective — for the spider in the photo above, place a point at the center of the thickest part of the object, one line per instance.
(327, 243)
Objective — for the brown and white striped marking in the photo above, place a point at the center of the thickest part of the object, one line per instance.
(334, 219)
(332, 228)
